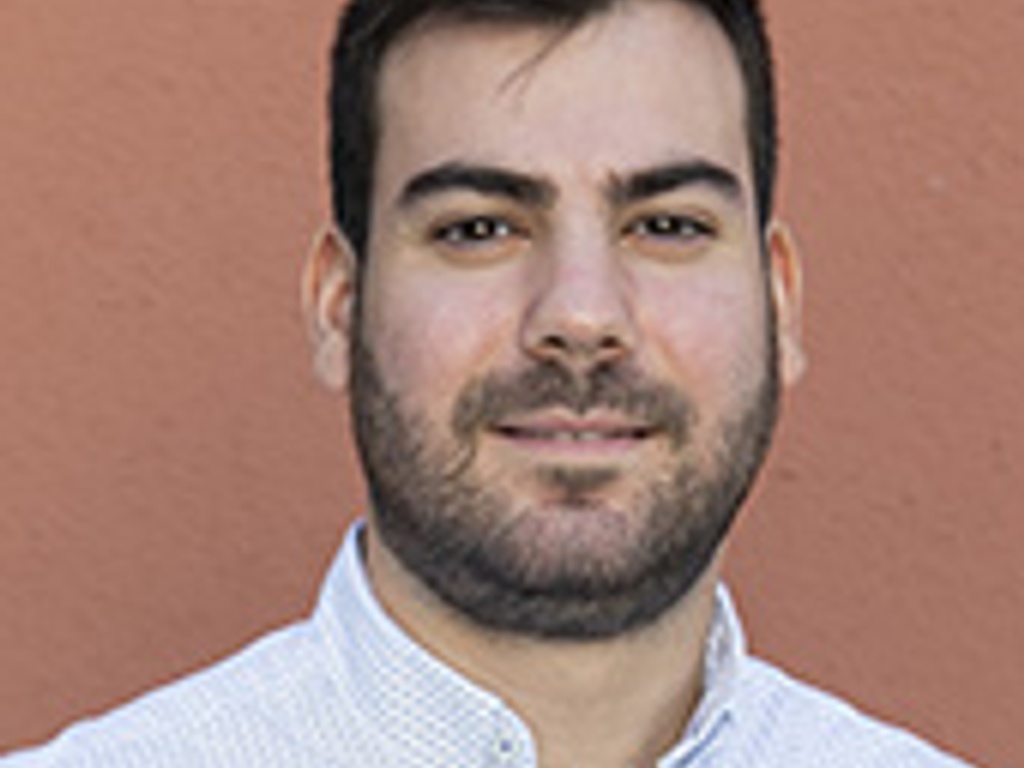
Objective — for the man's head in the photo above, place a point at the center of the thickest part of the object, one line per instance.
(570, 323)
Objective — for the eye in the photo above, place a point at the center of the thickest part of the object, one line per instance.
(477, 229)
(671, 226)
(478, 238)
(670, 235)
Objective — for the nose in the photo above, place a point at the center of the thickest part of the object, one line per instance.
(581, 314)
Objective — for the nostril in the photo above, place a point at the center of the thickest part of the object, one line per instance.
(579, 350)
(608, 347)
(557, 343)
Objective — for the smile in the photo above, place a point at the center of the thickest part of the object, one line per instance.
(575, 435)
(572, 431)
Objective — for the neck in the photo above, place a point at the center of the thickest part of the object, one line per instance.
(597, 703)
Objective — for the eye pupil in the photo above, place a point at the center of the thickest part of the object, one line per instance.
(672, 225)
(481, 228)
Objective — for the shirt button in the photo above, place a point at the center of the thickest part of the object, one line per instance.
(506, 750)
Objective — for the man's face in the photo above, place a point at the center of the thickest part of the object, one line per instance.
(563, 358)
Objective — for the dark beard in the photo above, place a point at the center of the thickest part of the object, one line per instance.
(462, 538)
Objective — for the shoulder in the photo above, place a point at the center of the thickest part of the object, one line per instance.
(808, 726)
(230, 714)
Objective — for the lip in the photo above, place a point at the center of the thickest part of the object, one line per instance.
(566, 433)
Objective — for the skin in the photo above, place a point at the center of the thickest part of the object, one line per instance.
(461, 282)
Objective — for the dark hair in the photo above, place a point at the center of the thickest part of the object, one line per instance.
(369, 27)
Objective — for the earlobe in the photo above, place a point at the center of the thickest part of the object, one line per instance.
(787, 293)
(328, 281)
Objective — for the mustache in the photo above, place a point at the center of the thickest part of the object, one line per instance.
(547, 384)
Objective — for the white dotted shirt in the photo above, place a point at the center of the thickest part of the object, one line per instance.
(348, 689)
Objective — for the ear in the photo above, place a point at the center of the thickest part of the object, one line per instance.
(328, 282)
(786, 278)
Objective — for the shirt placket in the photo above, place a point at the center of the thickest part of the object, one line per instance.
(511, 743)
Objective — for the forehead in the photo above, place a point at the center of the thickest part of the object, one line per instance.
(646, 82)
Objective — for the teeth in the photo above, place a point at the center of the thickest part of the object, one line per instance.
(582, 436)
(577, 435)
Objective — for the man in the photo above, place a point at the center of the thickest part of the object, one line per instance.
(565, 315)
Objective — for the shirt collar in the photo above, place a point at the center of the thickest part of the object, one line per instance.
(412, 697)
(412, 700)
(724, 654)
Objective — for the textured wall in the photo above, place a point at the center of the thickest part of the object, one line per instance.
(173, 483)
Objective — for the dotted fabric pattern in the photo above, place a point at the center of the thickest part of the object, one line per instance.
(348, 689)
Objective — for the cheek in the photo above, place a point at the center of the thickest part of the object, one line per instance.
(431, 338)
(710, 334)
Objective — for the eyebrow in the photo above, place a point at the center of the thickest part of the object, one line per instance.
(480, 179)
(662, 179)
(523, 188)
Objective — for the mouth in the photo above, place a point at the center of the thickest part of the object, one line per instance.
(561, 431)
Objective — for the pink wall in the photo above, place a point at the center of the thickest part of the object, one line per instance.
(173, 483)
